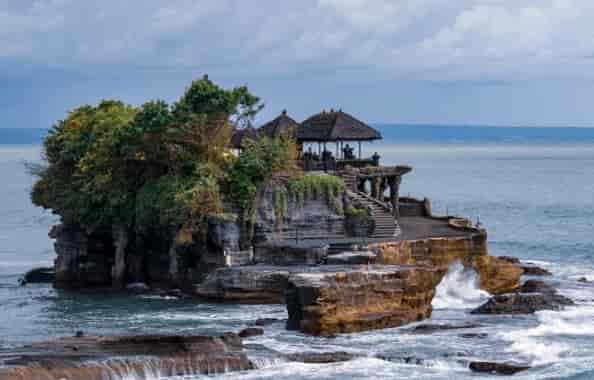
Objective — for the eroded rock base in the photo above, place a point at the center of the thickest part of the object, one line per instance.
(351, 299)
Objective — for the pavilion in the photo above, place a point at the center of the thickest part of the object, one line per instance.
(282, 125)
(341, 129)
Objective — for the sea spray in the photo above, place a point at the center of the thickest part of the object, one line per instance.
(541, 344)
(459, 289)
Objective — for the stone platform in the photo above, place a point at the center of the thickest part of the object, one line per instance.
(98, 358)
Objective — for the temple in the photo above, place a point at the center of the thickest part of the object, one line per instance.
(332, 142)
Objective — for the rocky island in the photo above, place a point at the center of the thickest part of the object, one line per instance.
(191, 198)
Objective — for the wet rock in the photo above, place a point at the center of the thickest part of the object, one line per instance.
(474, 335)
(522, 303)
(433, 328)
(39, 276)
(413, 360)
(250, 332)
(138, 287)
(175, 293)
(92, 357)
(497, 368)
(533, 270)
(510, 259)
(267, 321)
(256, 284)
(583, 280)
(497, 276)
(320, 357)
(344, 299)
(537, 286)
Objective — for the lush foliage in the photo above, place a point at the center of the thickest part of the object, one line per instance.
(260, 162)
(325, 187)
(154, 165)
(301, 188)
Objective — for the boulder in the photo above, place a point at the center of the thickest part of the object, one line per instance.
(39, 276)
(497, 368)
(522, 303)
(255, 284)
(344, 299)
(94, 357)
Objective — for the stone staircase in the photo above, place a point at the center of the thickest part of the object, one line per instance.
(385, 225)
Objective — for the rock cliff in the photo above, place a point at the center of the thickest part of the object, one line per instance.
(496, 275)
(350, 299)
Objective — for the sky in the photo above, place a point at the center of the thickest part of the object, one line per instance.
(458, 62)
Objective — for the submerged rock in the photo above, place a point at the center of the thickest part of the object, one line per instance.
(497, 368)
(346, 299)
(39, 276)
(92, 357)
(533, 270)
(432, 328)
(320, 357)
(522, 303)
(510, 259)
(139, 287)
(474, 335)
(537, 286)
(267, 321)
(250, 332)
(533, 295)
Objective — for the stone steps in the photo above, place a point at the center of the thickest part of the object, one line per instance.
(385, 226)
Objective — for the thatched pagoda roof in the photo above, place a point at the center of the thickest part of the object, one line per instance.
(335, 126)
(240, 137)
(283, 125)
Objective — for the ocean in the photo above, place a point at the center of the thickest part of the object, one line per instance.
(532, 188)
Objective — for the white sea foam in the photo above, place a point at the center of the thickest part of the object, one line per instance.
(542, 344)
(459, 290)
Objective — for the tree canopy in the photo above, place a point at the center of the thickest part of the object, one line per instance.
(156, 164)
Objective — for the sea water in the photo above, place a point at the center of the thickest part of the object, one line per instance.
(533, 189)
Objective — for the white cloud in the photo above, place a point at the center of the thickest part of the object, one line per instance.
(462, 39)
